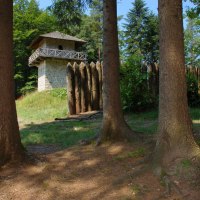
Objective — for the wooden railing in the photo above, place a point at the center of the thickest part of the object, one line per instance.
(55, 53)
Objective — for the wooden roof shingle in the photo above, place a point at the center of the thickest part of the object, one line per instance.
(56, 35)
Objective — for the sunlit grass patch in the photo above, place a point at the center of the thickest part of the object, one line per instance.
(42, 106)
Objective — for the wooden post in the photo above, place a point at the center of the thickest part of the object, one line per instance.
(77, 87)
(95, 87)
(89, 87)
(153, 79)
(71, 89)
(99, 69)
(84, 89)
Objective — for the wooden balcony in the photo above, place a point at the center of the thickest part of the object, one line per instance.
(42, 53)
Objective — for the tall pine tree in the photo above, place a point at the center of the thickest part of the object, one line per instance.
(92, 31)
(141, 32)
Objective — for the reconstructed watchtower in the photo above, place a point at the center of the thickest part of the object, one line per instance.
(52, 52)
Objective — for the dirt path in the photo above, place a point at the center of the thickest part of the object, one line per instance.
(85, 173)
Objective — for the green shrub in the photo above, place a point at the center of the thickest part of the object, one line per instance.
(59, 92)
(192, 91)
(30, 86)
(134, 91)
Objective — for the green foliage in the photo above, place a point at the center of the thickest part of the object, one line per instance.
(192, 91)
(91, 30)
(68, 15)
(139, 42)
(141, 33)
(40, 106)
(30, 85)
(195, 11)
(192, 42)
(134, 91)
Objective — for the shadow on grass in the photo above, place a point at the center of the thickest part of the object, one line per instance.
(61, 133)
(68, 133)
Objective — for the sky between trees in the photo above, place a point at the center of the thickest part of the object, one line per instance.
(124, 6)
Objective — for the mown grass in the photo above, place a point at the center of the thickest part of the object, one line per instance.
(42, 106)
(38, 110)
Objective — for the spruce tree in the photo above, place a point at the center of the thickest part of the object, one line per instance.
(141, 32)
(92, 31)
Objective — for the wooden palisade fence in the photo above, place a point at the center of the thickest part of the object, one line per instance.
(84, 87)
(152, 72)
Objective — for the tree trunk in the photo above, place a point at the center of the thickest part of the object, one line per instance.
(71, 90)
(114, 126)
(10, 144)
(175, 126)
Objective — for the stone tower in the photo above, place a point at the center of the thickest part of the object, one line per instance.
(51, 53)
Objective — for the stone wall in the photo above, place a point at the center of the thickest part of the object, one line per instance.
(52, 74)
(41, 76)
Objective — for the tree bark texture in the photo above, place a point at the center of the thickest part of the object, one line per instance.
(77, 87)
(10, 144)
(175, 126)
(71, 90)
(114, 126)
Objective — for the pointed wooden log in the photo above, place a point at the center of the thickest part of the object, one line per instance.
(153, 79)
(89, 87)
(99, 69)
(71, 89)
(84, 89)
(77, 87)
(95, 87)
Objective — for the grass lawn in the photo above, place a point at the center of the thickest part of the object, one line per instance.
(37, 111)
(42, 106)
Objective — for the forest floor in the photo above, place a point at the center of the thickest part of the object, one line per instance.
(68, 171)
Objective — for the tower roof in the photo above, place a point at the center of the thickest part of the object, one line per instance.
(56, 35)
